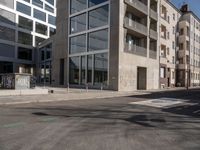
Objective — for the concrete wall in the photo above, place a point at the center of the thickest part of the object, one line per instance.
(61, 43)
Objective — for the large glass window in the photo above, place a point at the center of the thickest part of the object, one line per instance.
(7, 17)
(83, 69)
(98, 17)
(25, 38)
(100, 68)
(25, 23)
(89, 69)
(74, 70)
(50, 2)
(40, 28)
(24, 53)
(7, 34)
(78, 5)
(96, 2)
(48, 8)
(78, 44)
(78, 23)
(98, 40)
(38, 3)
(40, 15)
(38, 40)
(7, 50)
(52, 31)
(52, 20)
(23, 8)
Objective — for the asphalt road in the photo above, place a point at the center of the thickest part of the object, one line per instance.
(103, 124)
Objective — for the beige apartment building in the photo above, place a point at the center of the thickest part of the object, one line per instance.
(123, 45)
(169, 18)
(188, 68)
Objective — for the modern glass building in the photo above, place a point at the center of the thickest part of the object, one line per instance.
(88, 42)
(23, 25)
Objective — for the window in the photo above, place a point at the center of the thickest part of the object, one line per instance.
(50, 2)
(51, 20)
(98, 17)
(78, 23)
(25, 23)
(39, 15)
(74, 70)
(7, 17)
(162, 72)
(96, 2)
(23, 8)
(98, 40)
(38, 3)
(182, 31)
(7, 50)
(24, 53)
(78, 5)
(173, 45)
(100, 68)
(40, 28)
(28, 1)
(48, 8)
(7, 34)
(25, 38)
(52, 31)
(38, 40)
(78, 44)
(173, 75)
(173, 60)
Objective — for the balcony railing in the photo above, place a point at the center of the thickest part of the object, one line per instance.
(137, 50)
(153, 34)
(138, 5)
(154, 14)
(138, 27)
(152, 54)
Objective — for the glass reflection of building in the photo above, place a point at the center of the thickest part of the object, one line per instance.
(89, 42)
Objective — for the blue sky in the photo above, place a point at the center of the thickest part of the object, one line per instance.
(194, 5)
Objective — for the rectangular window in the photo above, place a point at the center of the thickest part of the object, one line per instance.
(7, 34)
(40, 15)
(25, 23)
(52, 31)
(48, 8)
(78, 23)
(100, 68)
(24, 53)
(96, 2)
(98, 17)
(78, 5)
(40, 28)
(38, 40)
(52, 20)
(74, 70)
(78, 44)
(38, 3)
(25, 38)
(98, 40)
(23, 8)
(50, 2)
(7, 50)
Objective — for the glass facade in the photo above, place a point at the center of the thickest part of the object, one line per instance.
(25, 23)
(23, 8)
(88, 52)
(25, 38)
(24, 53)
(40, 28)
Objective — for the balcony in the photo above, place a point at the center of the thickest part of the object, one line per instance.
(138, 5)
(153, 14)
(153, 34)
(135, 26)
(137, 50)
(153, 54)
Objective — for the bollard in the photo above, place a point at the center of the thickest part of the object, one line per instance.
(86, 87)
(67, 87)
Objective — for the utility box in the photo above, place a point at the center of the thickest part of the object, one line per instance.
(16, 81)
